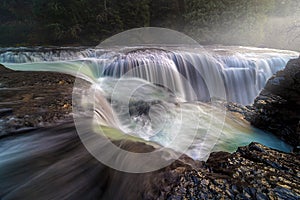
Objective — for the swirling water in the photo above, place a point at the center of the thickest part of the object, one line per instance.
(159, 94)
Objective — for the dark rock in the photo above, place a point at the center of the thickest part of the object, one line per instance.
(139, 108)
(277, 108)
(4, 69)
(296, 149)
(33, 99)
(253, 172)
(5, 111)
(283, 193)
(260, 196)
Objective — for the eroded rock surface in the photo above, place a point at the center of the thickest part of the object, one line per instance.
(277, 108)
(33, 99)
(253, 172)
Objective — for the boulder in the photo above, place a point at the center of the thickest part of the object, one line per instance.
(277, 108)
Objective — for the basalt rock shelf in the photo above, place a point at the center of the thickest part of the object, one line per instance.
(33, 99)
(252, 172)
(277, 108)
(51, 162)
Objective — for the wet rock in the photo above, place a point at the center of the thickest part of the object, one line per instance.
(4, 69)
(27, 101)
(139, 108)
(5, 111)
(277, 108)
(260, 196)
(256, 165)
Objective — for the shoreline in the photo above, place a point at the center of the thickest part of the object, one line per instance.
(253, 171)
(34, 99)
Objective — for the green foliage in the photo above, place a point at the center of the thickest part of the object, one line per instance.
(88, 22)
(167, 13)
(71, 21)
(134, 13)
(225, 21)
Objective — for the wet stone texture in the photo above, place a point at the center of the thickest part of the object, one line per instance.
(253, 172)
(277, 108)
(33, 99)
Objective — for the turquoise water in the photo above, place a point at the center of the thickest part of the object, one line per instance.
(168, 93)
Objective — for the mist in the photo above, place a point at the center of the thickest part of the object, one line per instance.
(280, 28)
(270, 24)
(260, 23)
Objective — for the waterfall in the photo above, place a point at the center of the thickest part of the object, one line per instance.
(41, 54)
(192, 75)
(243, 76)
(160, 94)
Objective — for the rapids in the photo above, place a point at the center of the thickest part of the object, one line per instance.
(243, 71)
(170, 96)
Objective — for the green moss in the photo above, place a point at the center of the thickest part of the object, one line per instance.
(115, 134)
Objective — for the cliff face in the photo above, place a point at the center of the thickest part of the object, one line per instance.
(277, 108)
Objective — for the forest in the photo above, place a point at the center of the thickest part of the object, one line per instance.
(88, 22)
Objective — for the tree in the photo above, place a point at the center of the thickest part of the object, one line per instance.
(167, 13)
(226, 21)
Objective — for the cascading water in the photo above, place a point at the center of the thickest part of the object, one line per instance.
(243, 74)
(160, 88)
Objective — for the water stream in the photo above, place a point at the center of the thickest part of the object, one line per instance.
(171, 95)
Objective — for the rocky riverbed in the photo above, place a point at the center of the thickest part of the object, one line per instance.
(35, 100)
